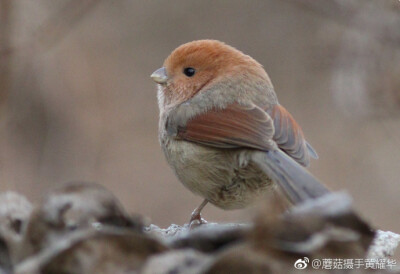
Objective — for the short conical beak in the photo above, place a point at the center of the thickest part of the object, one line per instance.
(160, 76)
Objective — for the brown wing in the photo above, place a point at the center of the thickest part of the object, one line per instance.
(233, 126)
(289, 136)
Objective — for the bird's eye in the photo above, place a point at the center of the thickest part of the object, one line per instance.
(189, 72)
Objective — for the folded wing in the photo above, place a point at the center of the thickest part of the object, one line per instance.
(232, 127)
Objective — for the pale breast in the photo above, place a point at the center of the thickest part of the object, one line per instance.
(225, 177)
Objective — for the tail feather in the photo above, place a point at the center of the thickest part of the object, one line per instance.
(294, 180)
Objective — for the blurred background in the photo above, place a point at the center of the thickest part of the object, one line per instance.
(77, 102)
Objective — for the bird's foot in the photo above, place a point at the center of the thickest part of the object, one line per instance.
(196, 221)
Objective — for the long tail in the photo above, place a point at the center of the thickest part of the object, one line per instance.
(294, 180)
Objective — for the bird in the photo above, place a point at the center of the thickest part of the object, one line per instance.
(224, 133)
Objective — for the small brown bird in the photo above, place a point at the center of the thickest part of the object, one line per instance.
(223, 131)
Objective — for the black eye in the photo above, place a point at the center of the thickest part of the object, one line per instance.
(189, 72)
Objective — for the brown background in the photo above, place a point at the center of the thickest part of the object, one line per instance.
(78, 103)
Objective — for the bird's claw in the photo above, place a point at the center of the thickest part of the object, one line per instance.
(196, 221)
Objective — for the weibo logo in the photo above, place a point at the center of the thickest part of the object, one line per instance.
(301, 263)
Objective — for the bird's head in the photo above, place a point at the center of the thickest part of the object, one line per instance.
(197, 65)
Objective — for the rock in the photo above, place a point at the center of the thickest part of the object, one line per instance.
(211, 237)
(101, 250)
(316, 230)
(183, 261)
(327, 225)
(74, 206)
(319, 229)
(6, 264)
(167, 233)
(206, 238)
(15, 211)
(384, 245)
(82, 228)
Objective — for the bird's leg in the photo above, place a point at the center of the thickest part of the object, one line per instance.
(196, 219)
